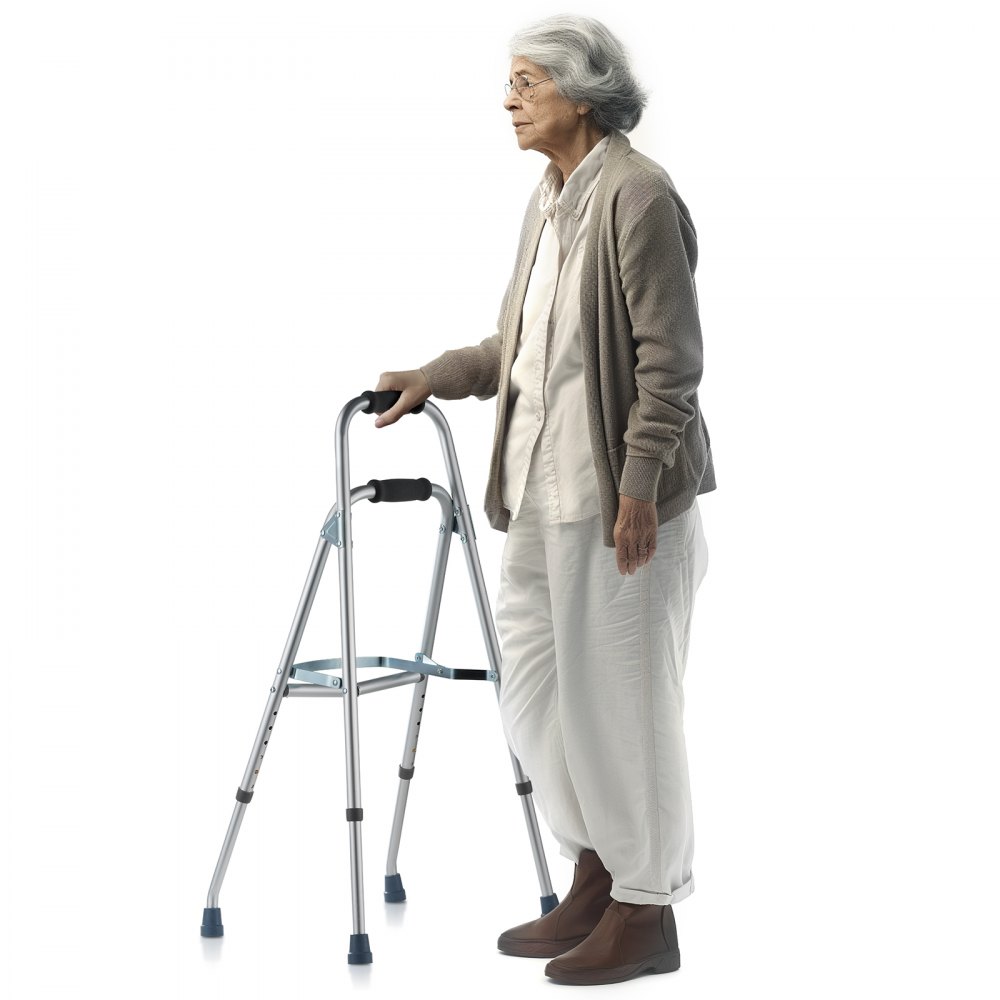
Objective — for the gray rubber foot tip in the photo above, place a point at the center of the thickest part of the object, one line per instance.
(359, 952)
(394, 891)
(549, 903)
(211, 922)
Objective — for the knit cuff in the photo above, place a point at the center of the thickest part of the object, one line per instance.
(640, 477)
(436, 373)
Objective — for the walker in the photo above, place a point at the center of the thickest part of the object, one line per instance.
(337, 678)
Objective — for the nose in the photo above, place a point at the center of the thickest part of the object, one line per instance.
(512, 100)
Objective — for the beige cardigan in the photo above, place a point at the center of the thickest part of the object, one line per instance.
(642, 353)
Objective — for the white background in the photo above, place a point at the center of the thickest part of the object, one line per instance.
(220, 222)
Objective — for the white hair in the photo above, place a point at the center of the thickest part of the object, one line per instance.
(588, 66)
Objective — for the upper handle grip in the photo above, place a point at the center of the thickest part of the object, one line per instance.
(379, 402)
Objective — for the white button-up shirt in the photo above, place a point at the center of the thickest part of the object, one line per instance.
(548, 408)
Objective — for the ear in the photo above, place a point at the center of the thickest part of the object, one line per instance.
(583, 110)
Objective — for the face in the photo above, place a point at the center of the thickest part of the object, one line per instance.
(543, 119)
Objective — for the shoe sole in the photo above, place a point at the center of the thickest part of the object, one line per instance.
(537, 949)
(670, 962)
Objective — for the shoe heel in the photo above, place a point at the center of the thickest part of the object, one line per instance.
(670, 962)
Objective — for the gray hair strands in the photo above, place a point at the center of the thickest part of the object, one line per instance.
(588, 65)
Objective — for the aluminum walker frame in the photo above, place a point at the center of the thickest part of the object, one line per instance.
(316, 679)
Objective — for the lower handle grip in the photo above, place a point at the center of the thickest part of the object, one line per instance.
(400, 490)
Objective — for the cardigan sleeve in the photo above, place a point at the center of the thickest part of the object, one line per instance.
(466, 371)
(657, 259)
(469, 371)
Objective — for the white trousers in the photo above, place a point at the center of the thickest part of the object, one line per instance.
(592, 696)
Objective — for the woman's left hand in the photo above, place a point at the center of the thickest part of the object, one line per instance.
(635, 533)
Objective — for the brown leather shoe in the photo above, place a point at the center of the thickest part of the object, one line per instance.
(571, 921)
(630, 940)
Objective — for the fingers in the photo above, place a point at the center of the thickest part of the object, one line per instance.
(634, 534)
(633, 549)
(386, 383)
(632, 556)
(397, 410)
(413, 389)
(621, 556)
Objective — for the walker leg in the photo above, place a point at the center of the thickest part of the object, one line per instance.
(467, 535)
(359, 952)
(394, 891)
(548, 898)
(211, 925)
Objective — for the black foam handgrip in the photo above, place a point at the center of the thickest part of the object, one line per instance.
(379, 402)
(400, 490)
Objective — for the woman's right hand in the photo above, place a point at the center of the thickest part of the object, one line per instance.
(414, 388)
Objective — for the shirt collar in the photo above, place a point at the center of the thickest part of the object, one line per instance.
(554, 197)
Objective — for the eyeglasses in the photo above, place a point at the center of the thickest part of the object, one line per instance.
(524, 89)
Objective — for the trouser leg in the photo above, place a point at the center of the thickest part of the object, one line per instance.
(529, 698)
(621, 645)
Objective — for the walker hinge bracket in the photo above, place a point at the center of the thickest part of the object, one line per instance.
(333, 530)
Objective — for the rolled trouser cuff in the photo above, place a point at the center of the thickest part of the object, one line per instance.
(626, 895)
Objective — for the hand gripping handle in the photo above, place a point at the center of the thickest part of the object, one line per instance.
(379, 402)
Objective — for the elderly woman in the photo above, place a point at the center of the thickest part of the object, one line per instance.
(599, 454)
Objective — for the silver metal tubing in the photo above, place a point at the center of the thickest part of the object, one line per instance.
(444, 498)
(409, 758)
(392, 861)
(537, 848)
(346, 567)
(270, 716)
(531, 821)
(467, 534)
(364, 687)
(285, 666)
(227, 852)
(389, 681)
(357, 879)
(357, 493)
(348, 652)
(312, 691)
(448, 449)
